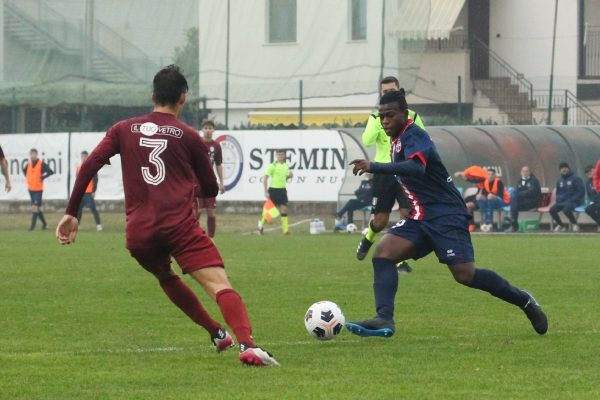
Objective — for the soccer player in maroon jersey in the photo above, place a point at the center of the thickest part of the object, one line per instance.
(216, 157)
(165, 164)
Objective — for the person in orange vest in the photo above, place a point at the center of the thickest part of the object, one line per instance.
(492, 196)
(476, 175)
(89, 195)
(35, 172)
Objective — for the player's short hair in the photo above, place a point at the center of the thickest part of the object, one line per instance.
(588, 169)
(280, 151)
(168, 85)
(395, 96)
(208, 122)
(390, 79)
(85, 153)
(33, 150)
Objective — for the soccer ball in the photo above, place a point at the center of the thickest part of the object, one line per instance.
(324, 320)
(351, 228)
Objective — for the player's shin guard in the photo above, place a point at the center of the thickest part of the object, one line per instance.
(499, 287)
(212, 226)
(385, 286)
(183, 297)
(235, 314)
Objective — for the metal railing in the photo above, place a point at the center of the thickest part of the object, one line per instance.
(487, 64)
(69, 36)
(456, 41)
(573, 111)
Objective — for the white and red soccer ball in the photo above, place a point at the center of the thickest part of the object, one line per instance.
(324, 320)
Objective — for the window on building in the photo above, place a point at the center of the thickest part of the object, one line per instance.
(282, 21)
(358, 19)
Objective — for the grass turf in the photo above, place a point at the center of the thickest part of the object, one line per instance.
(85, 322)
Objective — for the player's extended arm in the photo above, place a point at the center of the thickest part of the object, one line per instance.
(46, 171)
(413, 166)
(4, 168)
(66, 230)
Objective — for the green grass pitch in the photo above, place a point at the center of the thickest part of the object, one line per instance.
(85, 322)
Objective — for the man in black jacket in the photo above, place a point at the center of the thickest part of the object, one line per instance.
(570, 193)
(527, 196)
(364, 196)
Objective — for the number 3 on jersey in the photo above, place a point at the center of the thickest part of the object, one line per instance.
(157, 146)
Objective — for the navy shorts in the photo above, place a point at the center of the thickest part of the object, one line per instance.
(448, 236)
(36, 197)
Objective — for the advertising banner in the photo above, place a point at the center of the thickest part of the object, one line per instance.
(316, 158)
(52, 149)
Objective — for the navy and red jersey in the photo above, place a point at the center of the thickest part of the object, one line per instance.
(214, 152)
(433, 193)
(164, 165)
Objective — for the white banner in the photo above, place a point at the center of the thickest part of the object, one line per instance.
(317, 159)
(51, 147)
(110, 181)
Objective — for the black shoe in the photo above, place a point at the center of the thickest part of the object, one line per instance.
(363, 248)
(372, 327)
(536, 315)
(404, 268)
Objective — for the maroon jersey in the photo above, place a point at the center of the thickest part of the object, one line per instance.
(164, 164)
(214, 152)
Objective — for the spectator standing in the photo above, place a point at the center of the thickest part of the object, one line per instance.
(35, 172)
(492, 196)
(89, 196)
(570, 193)
(216, 156)
(593, 196)
(4, 169)
(527, 196)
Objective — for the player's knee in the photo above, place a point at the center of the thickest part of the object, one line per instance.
(464, 276)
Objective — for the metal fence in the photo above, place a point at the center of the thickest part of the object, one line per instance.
(564, 101)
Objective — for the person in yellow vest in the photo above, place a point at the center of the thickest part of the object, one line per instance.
(35, 172)
(279, 172)
(492, 196)
(89, 195)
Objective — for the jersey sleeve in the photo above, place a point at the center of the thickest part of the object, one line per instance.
(418, 145)
(369, 136)
(108, 147)
(202, 166)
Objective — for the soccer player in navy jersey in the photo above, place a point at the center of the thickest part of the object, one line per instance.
(165, 164)
(437, 221)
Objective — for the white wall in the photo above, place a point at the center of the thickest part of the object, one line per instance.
(323, 56)
(521, 32)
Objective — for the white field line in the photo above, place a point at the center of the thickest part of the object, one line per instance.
(276, 228)
(268, 344)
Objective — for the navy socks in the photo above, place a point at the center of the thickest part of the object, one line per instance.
(385, 286)
(494, 284)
